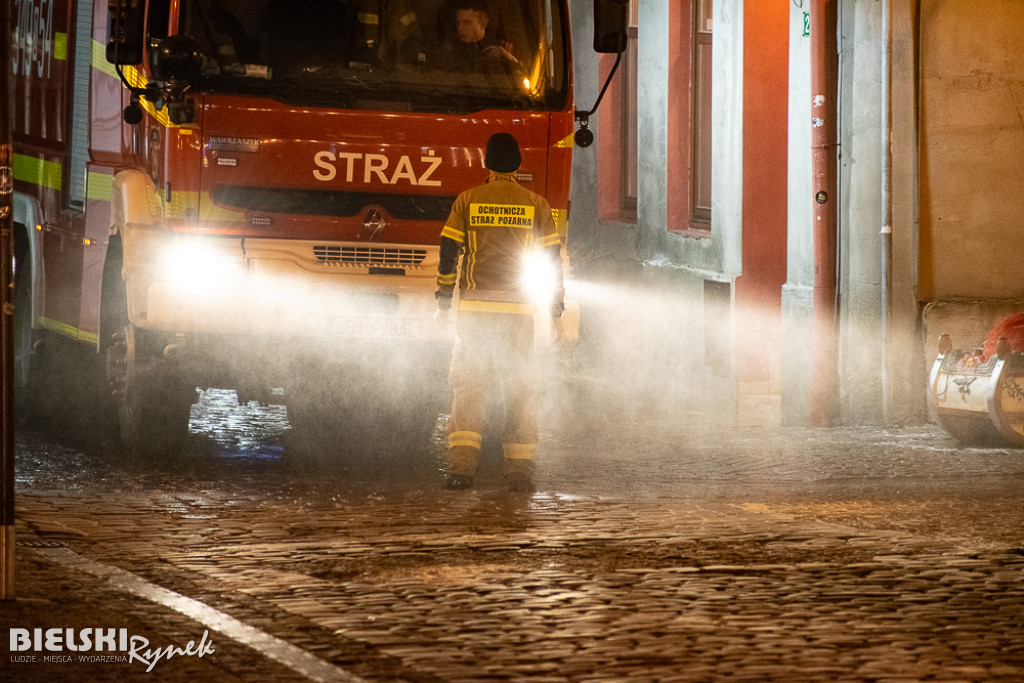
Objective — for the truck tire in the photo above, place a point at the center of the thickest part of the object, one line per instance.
(145, 392)
(153, 404)
(23, 338)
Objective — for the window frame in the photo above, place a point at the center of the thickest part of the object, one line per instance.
(683, 157)
(629, 134)
(701, 120)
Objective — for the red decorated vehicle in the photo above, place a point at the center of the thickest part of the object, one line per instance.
(249, 193)
(978, 395)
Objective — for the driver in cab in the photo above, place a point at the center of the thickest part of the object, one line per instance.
(473, 48)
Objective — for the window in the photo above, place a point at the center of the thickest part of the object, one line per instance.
(689, 117)
(385, 54)
(700, 128)
(628, 131)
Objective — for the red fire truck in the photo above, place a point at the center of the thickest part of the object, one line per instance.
(249, 194)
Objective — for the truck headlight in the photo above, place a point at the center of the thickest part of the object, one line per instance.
(196, 264)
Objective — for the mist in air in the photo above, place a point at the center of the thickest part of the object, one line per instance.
(642, 358)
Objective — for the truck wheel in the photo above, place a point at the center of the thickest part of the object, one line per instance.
(25, 360)
(22, 312)
(153, 406)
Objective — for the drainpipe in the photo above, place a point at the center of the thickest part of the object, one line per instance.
(886, 233)
(824, 70)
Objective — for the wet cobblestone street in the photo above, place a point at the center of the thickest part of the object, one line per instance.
(661, 552)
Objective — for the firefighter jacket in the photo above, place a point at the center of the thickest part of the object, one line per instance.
(493, 227)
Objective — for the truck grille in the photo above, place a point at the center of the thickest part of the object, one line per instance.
(331, 202)
(374, 256)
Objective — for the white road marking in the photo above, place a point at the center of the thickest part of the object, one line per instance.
(289, 655)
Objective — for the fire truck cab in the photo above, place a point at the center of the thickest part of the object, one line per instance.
(249, 193)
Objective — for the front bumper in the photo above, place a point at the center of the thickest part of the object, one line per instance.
(293, 289)
(270, 288)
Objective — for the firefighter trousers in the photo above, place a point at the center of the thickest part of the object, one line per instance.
(493, 349)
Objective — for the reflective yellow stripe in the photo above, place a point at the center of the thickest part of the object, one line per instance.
(549, 241)
(69, 330)
(48, 174)
(207, 209)
(99, 60)
(60, 46)
(561, 218)
(453, 234)
(469, 439)
(448, 279)
(566, 142)
(98, 186)
(36, 171)
(138, 79)
(471, 261)
(134, 76)
(520, 451)
(495, 307)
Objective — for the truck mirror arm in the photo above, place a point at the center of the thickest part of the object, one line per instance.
(178, 62)
(153, 92)
(584, 136)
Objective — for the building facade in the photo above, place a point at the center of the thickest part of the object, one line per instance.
(789, 200)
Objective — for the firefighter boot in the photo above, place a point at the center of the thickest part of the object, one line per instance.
(519, 467)
(463, 456)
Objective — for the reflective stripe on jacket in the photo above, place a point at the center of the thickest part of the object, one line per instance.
(493, 226)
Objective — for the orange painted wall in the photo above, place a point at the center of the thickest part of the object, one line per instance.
(758, 294)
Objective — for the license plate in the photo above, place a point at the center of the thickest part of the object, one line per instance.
(374, 328)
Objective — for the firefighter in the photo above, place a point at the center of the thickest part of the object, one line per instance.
(472, 48)
(496, 227)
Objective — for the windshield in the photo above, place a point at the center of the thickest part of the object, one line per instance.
(452, 56)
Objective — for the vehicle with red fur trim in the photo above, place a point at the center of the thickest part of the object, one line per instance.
(978, 395)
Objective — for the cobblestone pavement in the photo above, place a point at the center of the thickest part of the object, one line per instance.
(653, 552)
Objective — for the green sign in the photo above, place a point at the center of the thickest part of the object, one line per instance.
(807, 23)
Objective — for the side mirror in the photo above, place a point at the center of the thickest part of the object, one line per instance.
(125, 28)
(611, 25)
(177, 61)
(178, 58)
